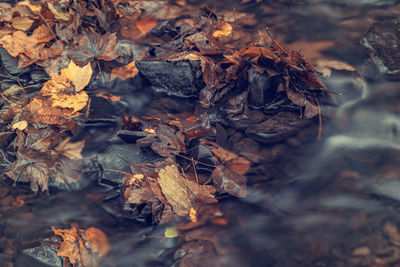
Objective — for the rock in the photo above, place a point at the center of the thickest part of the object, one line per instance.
(277, 128)
(10, 63)
(39, 256)
(118, 158)
(383, 42)
(261, 89)
(39, 76)
(180, 78)
(131, 136)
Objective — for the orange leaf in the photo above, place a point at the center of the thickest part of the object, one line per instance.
(147, 24)
(224, 29)
(125, 72)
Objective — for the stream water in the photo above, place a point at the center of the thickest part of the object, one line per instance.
(336, 202)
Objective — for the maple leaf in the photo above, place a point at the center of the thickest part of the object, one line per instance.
(93, 45)
(82, 246)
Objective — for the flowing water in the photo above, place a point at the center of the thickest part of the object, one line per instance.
(337, 202)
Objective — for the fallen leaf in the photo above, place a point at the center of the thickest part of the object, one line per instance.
(71, 150)
(21, 125)
(22, 23)
(179, 191)
(223, 29)
(171, 232)
(94, 45)
(146, 24)
(125, 72)
(108, 96)
(228, 181)
(82, 247)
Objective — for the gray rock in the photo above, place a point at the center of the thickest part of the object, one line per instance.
(383, 42)
(118, 157)
(10, 63)
(40, 256)
(179, 78)
(261, 89)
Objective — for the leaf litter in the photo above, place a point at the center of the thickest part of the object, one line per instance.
(73, 41)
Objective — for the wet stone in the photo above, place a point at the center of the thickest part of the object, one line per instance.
(39, 76)
(261, 89)
(131, 136)
(181, 78)
(277, 128)
(383, 42)
(10, 63)
(118, 158)
(39, 256)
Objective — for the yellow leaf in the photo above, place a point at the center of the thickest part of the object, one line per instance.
(171, 232)
(224, 29)
(80, 77)
(21, 23)
(21, 125)
(149, 131)
(193, 215)
(70, 100)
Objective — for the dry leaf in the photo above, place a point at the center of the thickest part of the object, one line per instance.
(147, 24)
(70, 100)
(179, 191)
(224, 29)
(71, 150)
(125, 72)
(22, 23)
(21, 125)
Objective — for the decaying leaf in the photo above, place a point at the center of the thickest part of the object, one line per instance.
(229, 181)
(224, 29)
(71, 150)
(146, 24)
(180, 192)
(125, 72)
(83, 247)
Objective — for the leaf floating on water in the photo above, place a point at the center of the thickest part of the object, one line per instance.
(125, 72)
(171, 232)
(71, 150)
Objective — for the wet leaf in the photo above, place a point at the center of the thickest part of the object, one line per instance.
(179, 191)
(71, 150)
(228, 181)
(82, 247)
(125, 72)
(146, 24)
(94, 45)
(171, 232)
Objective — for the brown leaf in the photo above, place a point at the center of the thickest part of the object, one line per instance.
(22, 23)
(71, 150)
(179, 191)
(82, 247)
(146, 24)
(168, 141)
(94, 45)
(228, 181)
(223, 29)
(45, 113)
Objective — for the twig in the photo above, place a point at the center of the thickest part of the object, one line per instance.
(45, 21)
(276, 43)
